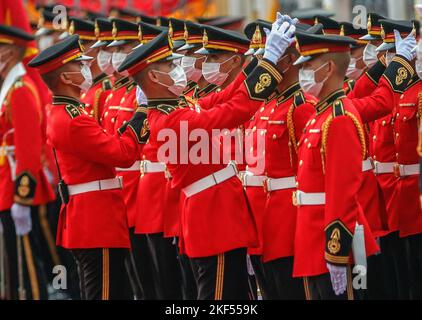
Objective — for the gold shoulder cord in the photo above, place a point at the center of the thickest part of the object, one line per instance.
(325, 127)
(292, 135)
(95, 107)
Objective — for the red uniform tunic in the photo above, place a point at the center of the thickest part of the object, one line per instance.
(285, 125)
(405, 198)
(22, 178)
(331, 163)
(216, 219)
(94, 99)
(320, 226)
(86, 152)
(371, 196)
(130, 175)
(256, 166)
(112, 104)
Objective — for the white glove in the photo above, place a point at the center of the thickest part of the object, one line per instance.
(338, 276)
(141, 97)
(280, 18)
(278, 40)
(405, 47)
(22, 217)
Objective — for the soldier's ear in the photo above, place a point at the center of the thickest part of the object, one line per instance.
(64, 78)
(151, 75)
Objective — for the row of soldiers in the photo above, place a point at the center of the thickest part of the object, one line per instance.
(336, 106)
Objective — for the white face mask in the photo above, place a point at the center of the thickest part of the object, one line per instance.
(117, 60)
(352, 71)
(308, 83)
(418, 67)
(45, 42)
(141, 99)
(104, 62)
(370, 55)
(212, 74)
(389, 57)
(192, 73)
(177, 74)
(86, 73)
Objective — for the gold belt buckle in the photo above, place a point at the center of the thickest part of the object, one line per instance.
(143, 168)
(265, 185)
(294, 199)
(396, 169)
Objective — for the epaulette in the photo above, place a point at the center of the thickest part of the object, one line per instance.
(107, 85)
(338, 109)
(299, 98)
(73, 111)
(166, 108)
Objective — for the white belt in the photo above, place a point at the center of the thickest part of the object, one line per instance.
(99, 185)
(134, 167)
(211, 180)
(367, 165)
(249, 180)
(301, 198)
(273, 184)
(152, 167)
(404, 170)
(383, 167)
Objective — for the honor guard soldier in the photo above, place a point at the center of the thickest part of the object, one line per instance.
(214, 234)
(104, 36)
(23, 182)
(94, 97)
(86, 156)
(324, 206)
(405, 205)
(192, 62)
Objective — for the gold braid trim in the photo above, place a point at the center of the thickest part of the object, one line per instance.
(326, 126)
(292, 135)
(96, 103)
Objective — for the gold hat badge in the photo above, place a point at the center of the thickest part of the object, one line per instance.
(72, 28)
(257, 36)
(205, 39)
(97, 29)
(114, 30)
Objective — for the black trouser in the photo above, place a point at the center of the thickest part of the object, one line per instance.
(320, 288)
(223, 276)
(143, 265)
(393, 253)
(102, 273)
(266, 287)
(166, 267)
(279, 272)
(188, 282)
(414, 252)
(24, 272)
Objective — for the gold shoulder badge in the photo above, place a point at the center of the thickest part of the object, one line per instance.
(97, 29)
(114, 30)
(72, 111)
(257, 36)
(334, 245)
(401, 75)
(72, 28)
(264, 82)
(205, 39)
